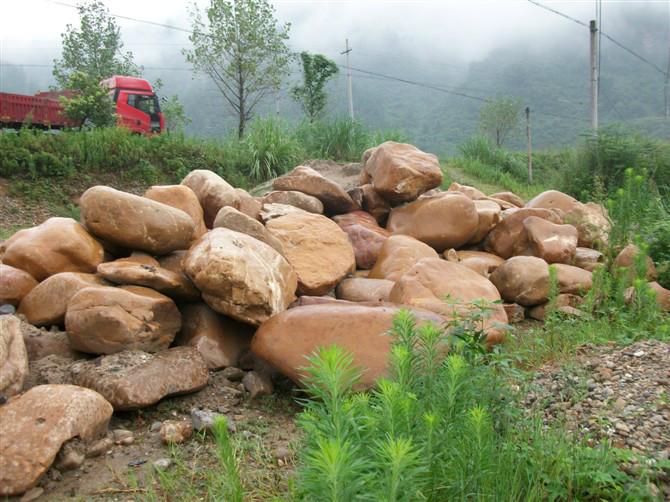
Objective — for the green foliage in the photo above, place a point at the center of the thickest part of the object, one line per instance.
(242, 49)
(175, 115)
(499, 118)
(316, 71)
(90, 105)
(441, 427)
(231, 489)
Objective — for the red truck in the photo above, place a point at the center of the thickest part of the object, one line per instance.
(136, 107)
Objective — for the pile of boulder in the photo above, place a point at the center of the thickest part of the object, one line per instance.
(146, 295)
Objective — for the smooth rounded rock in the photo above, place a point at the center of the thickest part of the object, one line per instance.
(106, 320)
(240, 276)
(553, 199)
(446, 220)
(398, 254)
(135, 222)
(318, 250)
(549, 241)
(588, 259)
(300, 200)
(489, 214)
(181, 197)
(366, 236)
(47, 303)
(15, 284)
(13, 356)
(480, 261)
(523, 280)
(232, 219)
(57, 245)
(510, 197)
(573, 280)
(212, 191)
(508, 238)
(358, 289)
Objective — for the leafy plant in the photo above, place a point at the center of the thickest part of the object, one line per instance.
(316, 71)
(499, 118)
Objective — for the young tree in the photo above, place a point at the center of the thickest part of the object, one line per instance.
(316, 70)
(175, 116)
(242, 49)
(92, 52)
(499, 118)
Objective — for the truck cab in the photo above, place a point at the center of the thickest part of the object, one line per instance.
(137, 106)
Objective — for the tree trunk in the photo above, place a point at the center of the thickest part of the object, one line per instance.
(498, 138)
(240, 93)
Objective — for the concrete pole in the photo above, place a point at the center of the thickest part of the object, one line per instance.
(530, 148)
(594, 74)
(350, 96)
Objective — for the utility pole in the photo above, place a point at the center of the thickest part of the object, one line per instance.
(346, 52)
(530, 148)
(594, 74)
(667, 74)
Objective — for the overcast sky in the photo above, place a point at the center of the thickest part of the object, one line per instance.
(466, 29)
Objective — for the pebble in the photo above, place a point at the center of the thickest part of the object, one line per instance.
(123, 437)
(258, 384)
(233, 374)
(176, 431)
(162, 464)
(8, 309)
(99, 447)
(282, 453)
(32, 494)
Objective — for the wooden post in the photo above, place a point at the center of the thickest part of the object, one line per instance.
(530, 148)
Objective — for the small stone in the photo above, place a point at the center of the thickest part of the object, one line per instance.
(69, 458)
(258, 384)
(638, 353)
(621, 427)
(54, 474)
(162, 464)
(176, 431)
(100, 447)
(282, 453)
(32, 494)
(119, 434)
(233, 374)
(7, 309)
(155, 427)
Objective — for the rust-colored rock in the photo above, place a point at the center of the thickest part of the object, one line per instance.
(592, 224)
(47, 303)
(318, 250)
(300, 200)
(549, 241)
(105, 320)
(480, 261)
(135, 222)
(14, 284)
(272, 211)
(523, 280)
(626, 260)
(375, 204)
(172, 284)
(181, 197)
(446, 220)
(134, 379)
(564, 303)
(240, 276)
(572, 280)
(57, 245)
(508, 238)
(398, 254)
(232, 219)
(471, 192)
(306, 180)
(219, 339)
(143, 258)
(249, 205)
(510, 197)
(176, 431)
(366, 236)
(359, 289)
(588, 259)
(553, 199)
(449, 289)
(400, 172)
(489, 214)
(13, 356)
(212, 191)
(662, 296)
(515, 312)
(286, 339)
(36, 424)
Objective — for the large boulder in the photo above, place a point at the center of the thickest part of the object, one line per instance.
(300, 200)
(274, 210)
(57, 245)
(572, 280)
(445, 220)
(510, 197)
(662, 296)
(374, 204)
(306, 180)
(553, 199)
(219, 339)
(212, 191)
(592, 224)
(625, 260)
(181, 197)
(588, 259)
(249, 205)
(240, 276)
(13, 356)
(47, 303)
(41, 343)
(366, 236)
(316, 247)
(232, 219)
(362, 289)
(472, 192)
(480, 261)
(288, 338)
(549, 241)
(509, 238)
(449, 289)
(398, 254)
(523, 280)
(134, 379)
(489, 214)
(105, 320)
(135, 222)
(34, 426)
(400, 172)
(15, 284)
(163, 280)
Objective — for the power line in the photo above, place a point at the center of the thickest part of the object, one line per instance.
(615, 42)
